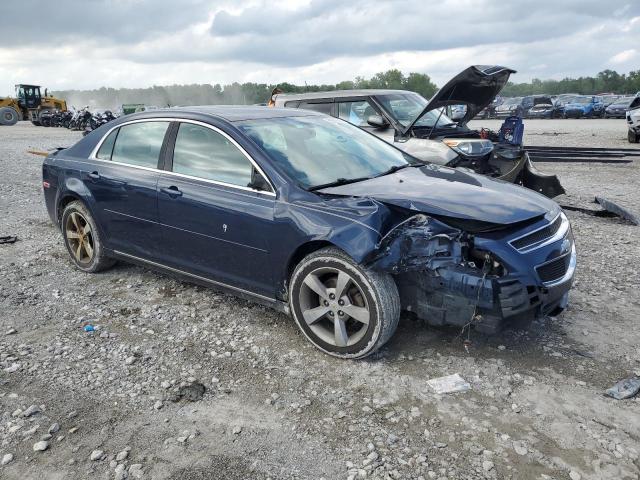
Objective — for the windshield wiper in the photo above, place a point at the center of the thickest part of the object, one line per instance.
(337, 183)
(395, 168)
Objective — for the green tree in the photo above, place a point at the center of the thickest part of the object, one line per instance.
(420, 83)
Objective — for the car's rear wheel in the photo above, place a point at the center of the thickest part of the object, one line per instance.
(345, 310)
(82, 239)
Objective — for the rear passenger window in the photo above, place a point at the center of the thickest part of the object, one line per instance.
(140, 144)
(356, 112)
(104, 153)
(204, 153)
(317, 107)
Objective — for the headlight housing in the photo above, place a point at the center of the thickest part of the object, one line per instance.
(469, 147)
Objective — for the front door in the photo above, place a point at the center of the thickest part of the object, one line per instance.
(213, 224)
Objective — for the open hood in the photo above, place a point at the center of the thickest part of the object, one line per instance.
(475, 87)
(449, 192)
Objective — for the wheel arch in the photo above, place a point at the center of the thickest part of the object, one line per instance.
(64, 200)
(302, 251)
(75, 191)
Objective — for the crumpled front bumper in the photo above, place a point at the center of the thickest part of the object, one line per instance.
(537, 283)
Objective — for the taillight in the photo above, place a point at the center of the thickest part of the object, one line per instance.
(46, 184)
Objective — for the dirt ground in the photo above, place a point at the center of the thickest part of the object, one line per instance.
(106, 404)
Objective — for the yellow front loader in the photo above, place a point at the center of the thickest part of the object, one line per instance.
(29, 104)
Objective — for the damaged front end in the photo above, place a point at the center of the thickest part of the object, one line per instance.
(452, 276)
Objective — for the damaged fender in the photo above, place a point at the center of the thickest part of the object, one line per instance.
(418, 243)
(434, 278)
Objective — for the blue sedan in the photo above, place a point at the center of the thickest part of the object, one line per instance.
(313, 216)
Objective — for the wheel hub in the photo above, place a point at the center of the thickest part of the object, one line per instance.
(333, 306)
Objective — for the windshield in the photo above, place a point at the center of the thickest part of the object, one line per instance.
(512, 101)
(319, 150)
(405, 107)
(581, 100)
(625, 102)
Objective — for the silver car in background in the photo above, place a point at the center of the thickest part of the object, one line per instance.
(421, 127)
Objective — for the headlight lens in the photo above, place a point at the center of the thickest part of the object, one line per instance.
(469, 147)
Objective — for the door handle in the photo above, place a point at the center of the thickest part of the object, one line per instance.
(172, 191)
(94, 176)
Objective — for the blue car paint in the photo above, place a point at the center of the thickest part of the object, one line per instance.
(576, 109)
(249, 241)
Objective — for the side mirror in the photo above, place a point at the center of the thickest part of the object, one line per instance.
(377, 121)
(258, 182)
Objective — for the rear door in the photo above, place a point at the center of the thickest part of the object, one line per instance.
(122, 177)
(213, 223)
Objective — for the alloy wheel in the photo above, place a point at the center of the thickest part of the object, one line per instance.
(80, 238)
(334, 306)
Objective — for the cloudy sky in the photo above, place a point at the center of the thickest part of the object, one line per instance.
(137, 43)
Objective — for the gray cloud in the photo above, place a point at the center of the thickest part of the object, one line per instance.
(328, 28)
(34, 22)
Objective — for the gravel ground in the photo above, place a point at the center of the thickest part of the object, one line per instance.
(123, 401)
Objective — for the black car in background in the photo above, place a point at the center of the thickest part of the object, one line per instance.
(618, 108)
(521, 106)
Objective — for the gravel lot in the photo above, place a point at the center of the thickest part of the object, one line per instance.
(108, 404)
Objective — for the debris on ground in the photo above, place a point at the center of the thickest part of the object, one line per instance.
(449, 384)
(616, 209)
(89, 328)
(609, 209)
(8, 239)
(626, 388)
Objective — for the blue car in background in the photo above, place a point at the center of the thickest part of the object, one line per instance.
(583, 106)
(311, 215)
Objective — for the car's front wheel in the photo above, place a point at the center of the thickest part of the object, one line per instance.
(633, 137)
(82, 239)
(344, 309)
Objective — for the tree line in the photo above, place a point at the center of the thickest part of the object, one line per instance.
(254, 93)
(604, 82)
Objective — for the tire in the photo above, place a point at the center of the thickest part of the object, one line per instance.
(8, 116)
(633, 137)
(75, 218)
(367, 294)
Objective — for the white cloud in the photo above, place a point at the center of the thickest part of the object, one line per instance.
(624, 56)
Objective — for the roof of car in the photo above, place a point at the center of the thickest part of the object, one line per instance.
(363, 92)
(230, 113)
